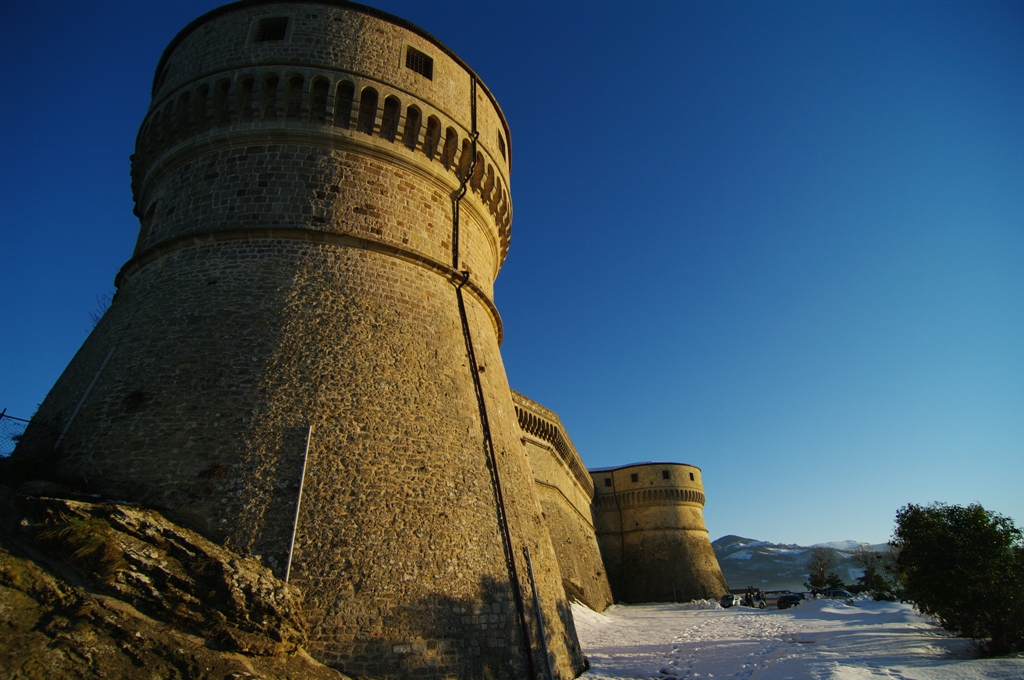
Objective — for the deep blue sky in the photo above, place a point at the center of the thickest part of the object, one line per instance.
(782, 241)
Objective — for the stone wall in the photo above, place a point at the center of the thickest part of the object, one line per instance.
(650, 527)
(565, 491)
(297, 302)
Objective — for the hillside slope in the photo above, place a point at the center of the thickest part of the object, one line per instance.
(778, 566)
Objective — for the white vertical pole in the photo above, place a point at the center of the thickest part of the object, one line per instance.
(84, 396)
(298, 505)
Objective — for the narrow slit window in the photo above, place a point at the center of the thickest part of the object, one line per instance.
(293, 98)
(419, 62)
(411, 134)
(270, 30)
(367, 111)
(221, 114)
(318, 100)
(501, 145)
(691, 476)
(433, 136)
(389, 121)
(451, 144)
(343, 97)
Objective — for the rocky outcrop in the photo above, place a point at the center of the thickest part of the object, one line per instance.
(106, 590)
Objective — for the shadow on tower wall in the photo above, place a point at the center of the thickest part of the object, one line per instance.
(442, 636)
(472, 638)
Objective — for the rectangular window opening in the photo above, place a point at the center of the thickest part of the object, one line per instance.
(664, 474)
(419, 62)
(270, 30)
(607, 481)
(634, 477)
(691, 476)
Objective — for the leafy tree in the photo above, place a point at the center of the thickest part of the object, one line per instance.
(965, 567)
(834, 580)
(820, 565)
(873, 578)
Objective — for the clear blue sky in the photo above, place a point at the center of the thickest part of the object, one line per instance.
(782, 241)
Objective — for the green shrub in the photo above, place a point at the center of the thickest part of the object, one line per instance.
(965, 567)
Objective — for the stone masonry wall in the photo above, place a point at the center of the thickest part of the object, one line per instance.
(292, 305)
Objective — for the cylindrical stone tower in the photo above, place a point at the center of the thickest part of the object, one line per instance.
(650, 527)
(302, 356)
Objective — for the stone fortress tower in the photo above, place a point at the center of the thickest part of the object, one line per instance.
(302, 357)
(650, 526)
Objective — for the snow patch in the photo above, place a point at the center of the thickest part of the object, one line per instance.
(845, 546)
(821, 639)
(740, 555)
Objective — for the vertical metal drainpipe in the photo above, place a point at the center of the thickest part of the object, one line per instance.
(492, 460)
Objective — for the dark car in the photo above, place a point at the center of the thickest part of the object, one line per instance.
(789, 600)
(838, 594)
(730, 601)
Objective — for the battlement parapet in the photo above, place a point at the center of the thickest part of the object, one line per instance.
(650, 497)
(320, 108)
(622, 480)
(545, 424)
(306, 87)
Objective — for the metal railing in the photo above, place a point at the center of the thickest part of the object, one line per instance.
(11, 430)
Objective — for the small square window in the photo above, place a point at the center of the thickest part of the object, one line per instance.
(664, 474)
(691, 476)
(607, 481)
(271, 30)
(419, 62)
(634, 477)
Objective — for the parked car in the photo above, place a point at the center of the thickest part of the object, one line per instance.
(838, 594)
(730, 601)
(789, 600)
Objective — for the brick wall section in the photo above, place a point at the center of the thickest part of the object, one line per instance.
(565, 491)
(291, 276)
(652, 534)
(323, 189)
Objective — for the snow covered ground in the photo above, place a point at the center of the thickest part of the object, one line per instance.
(819, 640)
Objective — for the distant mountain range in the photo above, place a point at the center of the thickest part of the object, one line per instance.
(778, 566)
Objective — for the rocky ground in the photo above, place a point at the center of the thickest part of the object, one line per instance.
(92, 589)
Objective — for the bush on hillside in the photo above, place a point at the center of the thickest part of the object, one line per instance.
(965, 567)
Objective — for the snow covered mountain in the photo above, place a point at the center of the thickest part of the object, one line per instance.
(777, 566)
